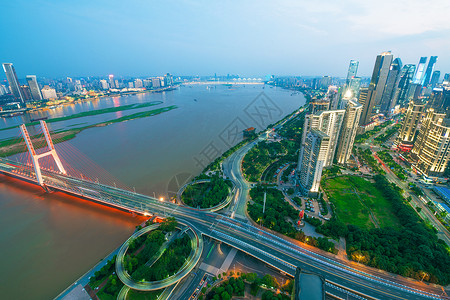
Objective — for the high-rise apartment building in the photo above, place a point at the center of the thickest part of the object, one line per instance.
(348, 131)
(429, 71)
(432, 147)
(420, 71)
(312, 158)
(330, 123)
(34, 88)
(410, 124)
(376, 87)
(13, 81)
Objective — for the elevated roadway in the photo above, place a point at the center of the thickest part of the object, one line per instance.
(282, 253)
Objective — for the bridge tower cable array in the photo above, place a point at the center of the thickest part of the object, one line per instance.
(35, 157)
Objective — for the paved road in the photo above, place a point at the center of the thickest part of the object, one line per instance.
(280, 252)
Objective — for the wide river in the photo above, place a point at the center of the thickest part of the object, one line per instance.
(48, 240)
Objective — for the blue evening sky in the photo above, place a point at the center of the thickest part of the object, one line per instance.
(54, 38)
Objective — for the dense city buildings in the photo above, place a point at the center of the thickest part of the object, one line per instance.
(13, 81)
(348, 131)
(312, 158)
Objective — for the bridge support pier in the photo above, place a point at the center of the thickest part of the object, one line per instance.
(35, 157)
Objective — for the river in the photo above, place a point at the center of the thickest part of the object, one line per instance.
(49, 240)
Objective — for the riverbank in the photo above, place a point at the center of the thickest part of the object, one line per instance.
(14, 146)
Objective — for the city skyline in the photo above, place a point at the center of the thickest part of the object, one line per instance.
(190, 38)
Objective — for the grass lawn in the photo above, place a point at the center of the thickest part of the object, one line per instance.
(355, 197)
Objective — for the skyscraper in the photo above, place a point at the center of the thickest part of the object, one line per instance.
(376, 87)
(330, 123)
(405, 79)
(432, 147)
(13, 81)
(410, 124)
(420, 71)
(352, 69)
(348, 131)
(111, 82)
(446, 77)
(34, 87)
(439, 100)
(313, 155)
(435, 79)
(26, 92)
(352, 90)
(388, 98)
(429, 71)
(352, 83)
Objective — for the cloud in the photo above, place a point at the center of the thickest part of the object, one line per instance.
(400, 17)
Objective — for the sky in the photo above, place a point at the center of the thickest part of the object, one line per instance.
(57, 38)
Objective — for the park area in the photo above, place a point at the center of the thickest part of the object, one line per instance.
(358, 202)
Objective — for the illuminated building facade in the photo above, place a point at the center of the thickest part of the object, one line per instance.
(312, 158)
(410, 123)
(348, 131)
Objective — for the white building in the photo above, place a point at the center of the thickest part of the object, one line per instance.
(312, 158)
(348, 131)
(104, 84)
(48, 93)
(330, 123)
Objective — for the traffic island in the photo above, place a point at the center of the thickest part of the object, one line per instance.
(185, 233)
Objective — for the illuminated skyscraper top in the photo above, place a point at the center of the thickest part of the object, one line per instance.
(13, 81)
(420, 71)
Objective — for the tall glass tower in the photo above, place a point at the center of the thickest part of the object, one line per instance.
(376, 87)
(13, 81)
(420, 71)
(34, 87)
(429, 71)
(352, 69)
